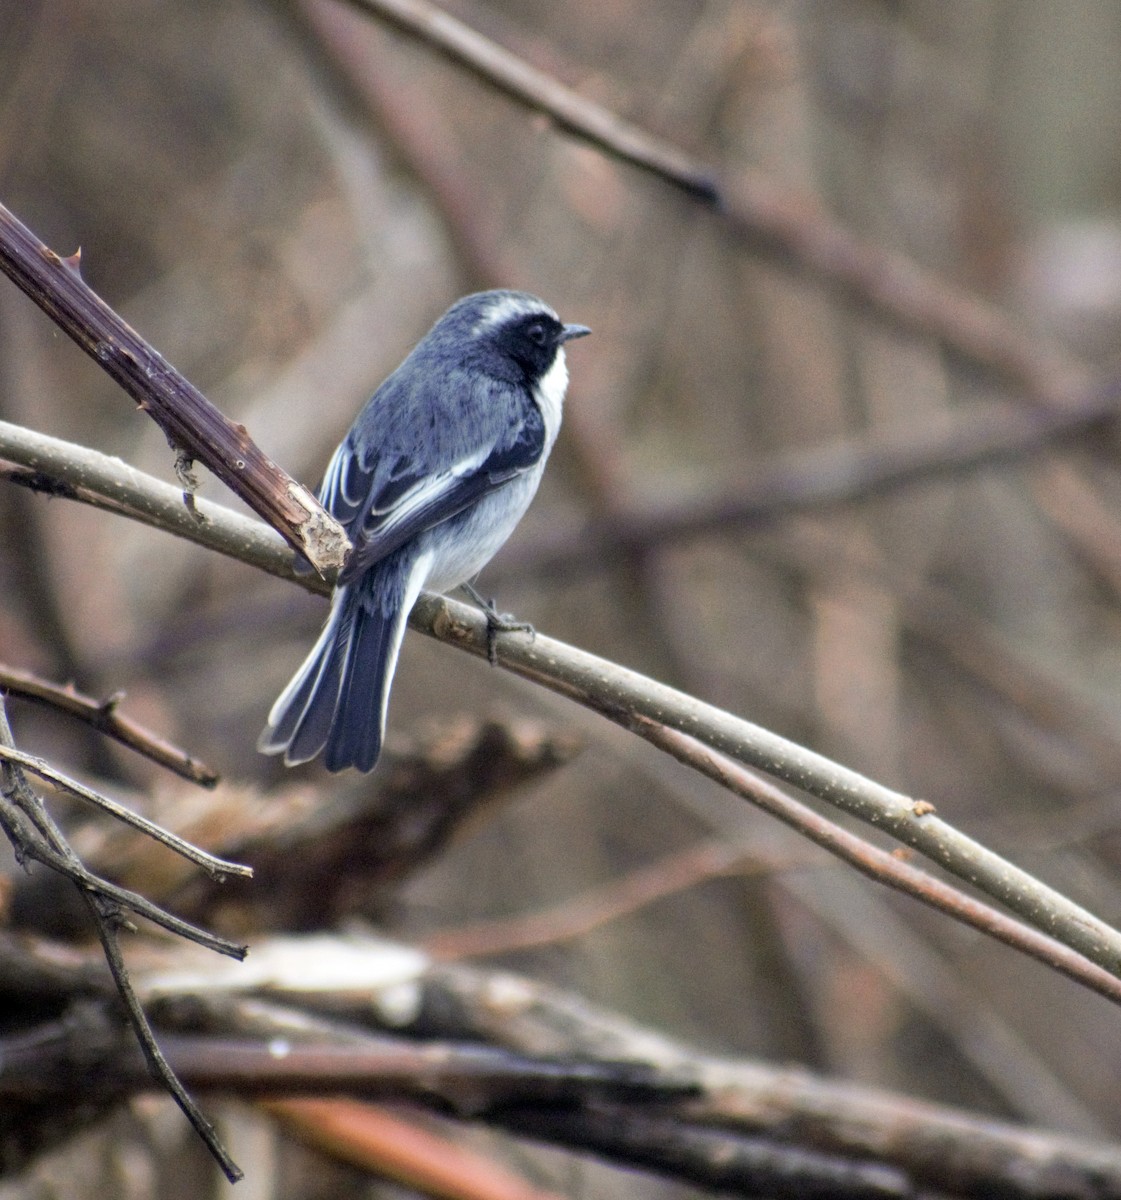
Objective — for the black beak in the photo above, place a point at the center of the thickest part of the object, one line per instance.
(573, 331)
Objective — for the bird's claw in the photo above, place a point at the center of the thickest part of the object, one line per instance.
(497, 623)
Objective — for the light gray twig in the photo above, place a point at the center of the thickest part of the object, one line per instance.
(622, 695)
(216, 868)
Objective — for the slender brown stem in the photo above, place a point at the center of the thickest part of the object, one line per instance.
(106, 717)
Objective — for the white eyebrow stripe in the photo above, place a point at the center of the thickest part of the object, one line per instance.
(509, 307)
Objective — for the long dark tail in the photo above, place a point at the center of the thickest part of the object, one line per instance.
(337, 701)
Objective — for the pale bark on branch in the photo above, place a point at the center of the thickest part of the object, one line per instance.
(626, 697)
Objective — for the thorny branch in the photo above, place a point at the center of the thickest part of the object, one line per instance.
(35, 836)
(195, 429)
(105, 716)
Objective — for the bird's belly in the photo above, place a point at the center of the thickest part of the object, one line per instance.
(464, 544)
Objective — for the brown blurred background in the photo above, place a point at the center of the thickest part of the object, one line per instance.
(282, 197)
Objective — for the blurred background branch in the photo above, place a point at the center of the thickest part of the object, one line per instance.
(798, 479)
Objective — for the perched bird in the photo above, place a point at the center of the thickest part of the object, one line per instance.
(434, 474)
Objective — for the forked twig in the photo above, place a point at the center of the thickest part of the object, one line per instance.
(217, 868)
(35, 836)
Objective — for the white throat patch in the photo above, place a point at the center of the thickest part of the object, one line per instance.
(549, 394)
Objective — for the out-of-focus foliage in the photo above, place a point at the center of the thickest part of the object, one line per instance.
(282, 197)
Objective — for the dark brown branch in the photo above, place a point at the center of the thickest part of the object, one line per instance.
(466, 1079)
(557, 1048)
(711, 1158)
(30, 848)
(315, 863)
(786, 226)
(940, 1148)
(106, 718)
(194, 428)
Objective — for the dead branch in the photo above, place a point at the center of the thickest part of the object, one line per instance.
(218, 869)
(194, 428)
(551, 1065)
(35, 836)
(105, 716)
(940, 1148)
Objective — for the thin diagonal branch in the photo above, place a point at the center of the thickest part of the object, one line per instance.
(879, 864)
(527, 85)
(105, 717)
(628, 698)
(195, 429)
(30, 848)
(217, 868)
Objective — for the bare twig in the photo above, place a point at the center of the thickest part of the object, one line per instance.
(782, 224)
(879, 864)
(625, 697)
(526, 84)
(194, 427)
(218, 869)
(40, 838)
(105, 716)
(59, 468)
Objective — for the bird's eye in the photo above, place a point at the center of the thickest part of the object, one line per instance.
(537, 333)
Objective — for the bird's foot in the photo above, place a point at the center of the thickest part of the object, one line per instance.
(497, 623)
